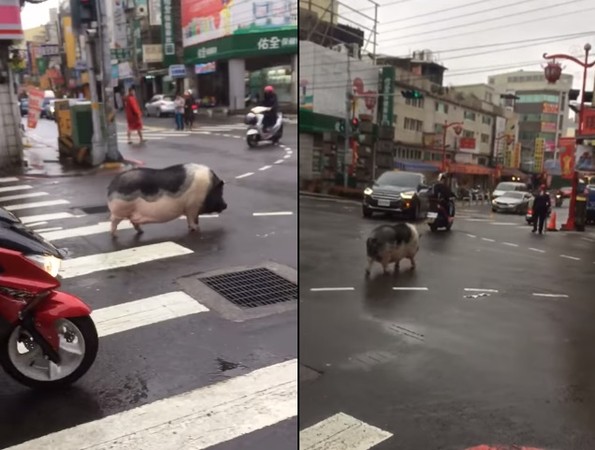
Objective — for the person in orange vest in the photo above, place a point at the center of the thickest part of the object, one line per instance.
(541, 208)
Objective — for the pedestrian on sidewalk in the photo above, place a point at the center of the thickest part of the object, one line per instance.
(133, 116)
(190, 102)
(541, 208)
(179, 104)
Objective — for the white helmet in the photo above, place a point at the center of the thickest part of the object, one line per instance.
(442, 176)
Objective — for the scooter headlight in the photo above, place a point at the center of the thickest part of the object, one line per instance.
(49, 263)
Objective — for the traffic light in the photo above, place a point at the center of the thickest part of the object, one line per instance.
(84, 12)
(355, 125)
(411, 93)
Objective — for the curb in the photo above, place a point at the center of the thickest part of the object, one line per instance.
(102, 168)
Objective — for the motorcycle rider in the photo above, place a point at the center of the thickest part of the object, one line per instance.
(442, 193)
(270, 101)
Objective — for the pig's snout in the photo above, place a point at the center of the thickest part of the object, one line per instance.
(222, 206)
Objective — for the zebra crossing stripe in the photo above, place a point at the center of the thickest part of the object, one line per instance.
(20, 187)
(8, 180)
(46, 217)
(147, 311)
(85, 265)
(36, 205)
(342, 432)
(9, 198)
(196, 420)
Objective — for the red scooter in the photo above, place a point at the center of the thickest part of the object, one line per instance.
(47, 337)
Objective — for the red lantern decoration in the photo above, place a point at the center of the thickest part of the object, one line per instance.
(458, 129)
(552, 72)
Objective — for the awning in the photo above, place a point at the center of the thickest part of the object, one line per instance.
(416, 166)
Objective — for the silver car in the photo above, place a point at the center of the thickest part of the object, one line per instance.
(160, 105)
(515, 202)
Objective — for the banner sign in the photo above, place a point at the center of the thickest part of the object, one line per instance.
(10, 21)
(567, 151)
(35, 104)
(550, 108)
(201, 69)
(516, 156)
(467, 143)
(538, 155)
(388, 89)
(588, 128)
(585, 158)
(167, 33)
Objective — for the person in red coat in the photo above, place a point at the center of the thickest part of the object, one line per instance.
(133, 116)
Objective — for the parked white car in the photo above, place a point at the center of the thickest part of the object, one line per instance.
(160, 105)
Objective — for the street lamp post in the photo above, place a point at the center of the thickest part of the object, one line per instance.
(552, 74)
(458, 127)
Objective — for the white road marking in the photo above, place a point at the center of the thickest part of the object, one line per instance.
(20, 187)
(84, 265)
(46, 230)
(588, 239)
(471, 235)
(46, 217)
(279, 213)
(8, 180)
(536, 250)
(330, 289)
(287, 156)
(36, 224)
(503, 223)
(244, 175)
(36, 205)
(289, 152)
(510, 244)
(265, 167)
(408, 288)
(197, 419)
(488, 240)
(146, 311)
(9, 198)
(279, 161)
(342, 432)
(477, 220)
(535, 294)
(574, 258)
(495, 291)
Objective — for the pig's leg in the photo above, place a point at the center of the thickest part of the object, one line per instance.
(192, 219)
(385, 261)
(369, 268)
(412, 259)
(115, 223)
(137, 227)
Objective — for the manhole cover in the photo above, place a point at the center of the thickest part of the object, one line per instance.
(95, 209)
(253, 288)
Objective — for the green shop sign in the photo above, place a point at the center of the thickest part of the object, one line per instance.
(243, 45)
(167, 33)
(387, 87)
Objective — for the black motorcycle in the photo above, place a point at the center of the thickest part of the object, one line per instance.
(438, 216)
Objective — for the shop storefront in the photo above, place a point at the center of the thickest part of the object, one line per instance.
(246, 46)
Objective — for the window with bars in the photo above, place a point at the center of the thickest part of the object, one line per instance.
(485, 138)
(470, 115)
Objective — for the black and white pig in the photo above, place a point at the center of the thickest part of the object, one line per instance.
(390, 244)
(145, 195)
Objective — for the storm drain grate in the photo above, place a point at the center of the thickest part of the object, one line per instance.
(253, 288)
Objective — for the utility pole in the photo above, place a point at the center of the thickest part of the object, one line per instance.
(348, 103)
(98, 150)
(111, 151)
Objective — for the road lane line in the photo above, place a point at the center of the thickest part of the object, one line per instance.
(279, 213)
(495, 291)
(536, 294)
(503, 223)
(510, 244)
(46, 230)
(287, 156)
(244, 175)
(574, 258)
(85, 265)
(588, 239)
(9, 198)
(330, 289)
(409, 288)
(8, 180)
(265, 167)
(279, 161)
(20, 187)
(36, 205)
(46, 217)
(536, 250)
(488, 240)
(36, 224)
(146, 311)
(198, 419)
(342, 432)
(471, 235)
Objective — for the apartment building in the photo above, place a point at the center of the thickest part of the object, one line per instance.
(543, 109)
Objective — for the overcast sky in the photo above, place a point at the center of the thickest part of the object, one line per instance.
(407, 25)
(35, 15)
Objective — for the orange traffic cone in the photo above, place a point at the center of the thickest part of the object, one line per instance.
(551, 226)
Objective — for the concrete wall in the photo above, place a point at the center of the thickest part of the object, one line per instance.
(11, 148)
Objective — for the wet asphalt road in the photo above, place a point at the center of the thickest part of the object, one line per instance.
(431, 367)
(161, 360)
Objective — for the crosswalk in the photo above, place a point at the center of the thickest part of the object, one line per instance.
(199, 418)
(157, 134)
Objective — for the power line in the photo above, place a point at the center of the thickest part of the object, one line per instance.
(499, 27)
(440, 11)
(491, 20)
(473, 13)
(398, 2)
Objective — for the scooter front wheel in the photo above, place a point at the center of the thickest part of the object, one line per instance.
(252, 140)
(22, 358)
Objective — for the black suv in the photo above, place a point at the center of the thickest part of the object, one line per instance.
(403, 193)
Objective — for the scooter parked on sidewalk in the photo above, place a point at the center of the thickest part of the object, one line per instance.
(47, 337)
(438, 216)
(256, 132)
